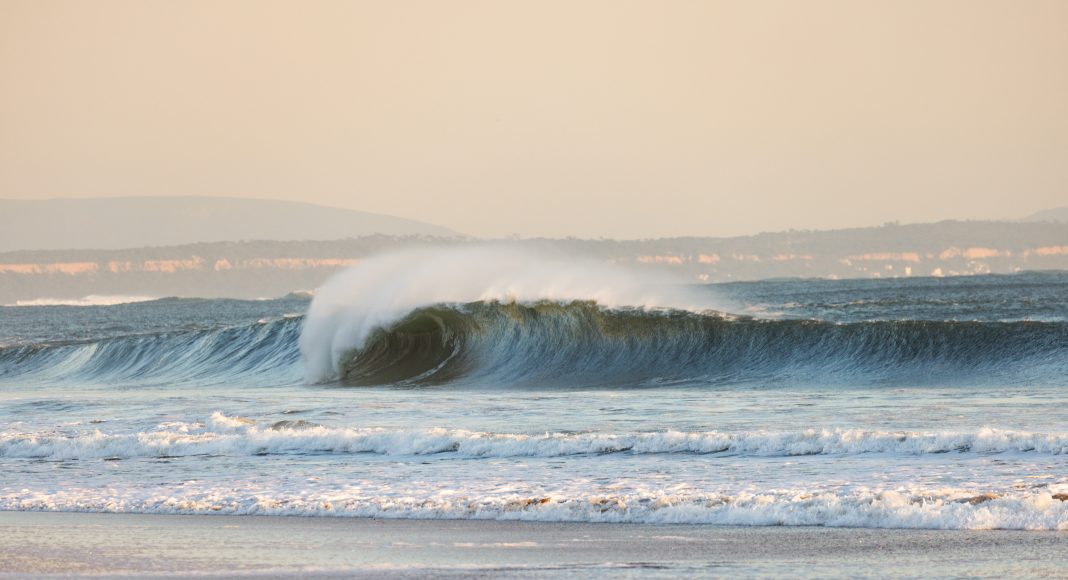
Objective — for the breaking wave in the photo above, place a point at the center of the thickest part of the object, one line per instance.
(504, 318)
(582, 343)
(916, 507)
(264, 351)
(576, 344)
(221, 435)
(1036, 504)
(498, 318)
(91, 300)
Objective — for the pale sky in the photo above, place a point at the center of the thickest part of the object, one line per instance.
(589, 118)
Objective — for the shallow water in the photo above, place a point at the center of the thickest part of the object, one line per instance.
(63, 544)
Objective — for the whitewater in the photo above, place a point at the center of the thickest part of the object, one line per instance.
(489, 384)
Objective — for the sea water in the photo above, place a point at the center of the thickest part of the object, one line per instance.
(904, 403)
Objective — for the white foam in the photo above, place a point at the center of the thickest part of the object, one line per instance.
(223, 435)
(91, 300)
(382, 290)
(916, 507)
(880, 479)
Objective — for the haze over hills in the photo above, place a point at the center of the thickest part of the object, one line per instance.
(1056, 214)
(261, 269)
(242, 248)
(134, 222)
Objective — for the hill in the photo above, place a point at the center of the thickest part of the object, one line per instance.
(272, 268)
(1056, 214)
(133, 222)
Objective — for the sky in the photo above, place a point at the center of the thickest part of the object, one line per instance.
(583, 118)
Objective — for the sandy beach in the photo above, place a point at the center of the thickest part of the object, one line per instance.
(65, 544)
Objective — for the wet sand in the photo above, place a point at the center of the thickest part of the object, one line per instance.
(62, 544)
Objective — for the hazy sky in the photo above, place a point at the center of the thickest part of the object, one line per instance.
(588, 118)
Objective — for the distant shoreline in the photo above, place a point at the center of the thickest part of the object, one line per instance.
(259, 269)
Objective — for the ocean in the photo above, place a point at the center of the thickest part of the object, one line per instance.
(535, 394)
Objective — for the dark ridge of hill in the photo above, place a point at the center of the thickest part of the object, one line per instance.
(136, 222)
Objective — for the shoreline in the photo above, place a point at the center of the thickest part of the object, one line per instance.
(33, 544)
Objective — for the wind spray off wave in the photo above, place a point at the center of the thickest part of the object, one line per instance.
(502, 318)
(381, 291)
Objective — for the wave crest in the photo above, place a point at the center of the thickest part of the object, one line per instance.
(382, 291)
(584, 344)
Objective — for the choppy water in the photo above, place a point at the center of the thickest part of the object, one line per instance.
(935, 403)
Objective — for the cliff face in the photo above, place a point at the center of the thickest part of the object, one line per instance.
(268, 269)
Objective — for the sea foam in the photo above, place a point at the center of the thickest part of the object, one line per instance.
(909, 507)
(91, 300)
(224, 435)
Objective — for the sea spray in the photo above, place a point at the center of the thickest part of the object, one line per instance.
(382, 290)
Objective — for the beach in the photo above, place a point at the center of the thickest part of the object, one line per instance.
(62, 544)
(597, 289)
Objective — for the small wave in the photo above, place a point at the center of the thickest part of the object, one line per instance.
(223, 435)
(264, 351)
(91, 300)
(911, 507)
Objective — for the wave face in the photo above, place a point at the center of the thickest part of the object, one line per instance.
(506, 319)
(264, 351)
(502, 318)
(380, 292)
(582, 343)
(573, 344)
